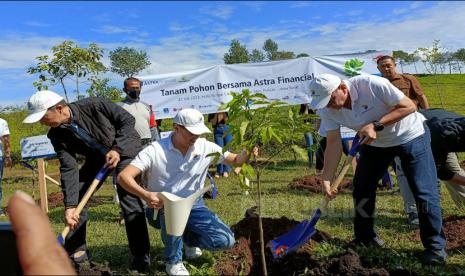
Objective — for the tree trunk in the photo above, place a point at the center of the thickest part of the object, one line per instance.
(77, 83)
(64, 90)
(260, 226)
(415, 65)
(437, 90)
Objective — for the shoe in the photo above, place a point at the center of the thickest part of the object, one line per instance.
(79, 258)
(176, 269)
(217, 175)
(192, 252)
(375, 242)
(140, 265)
(2, 212)
(434, 257)
(413, 220)
(225, 174)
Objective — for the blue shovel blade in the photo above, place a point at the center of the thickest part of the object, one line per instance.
(294, 238)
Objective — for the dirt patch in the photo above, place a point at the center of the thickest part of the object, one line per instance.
(93, 268)
(454, 227)
(349, 263)
(56, 200)
(244, 257)
(313, 183)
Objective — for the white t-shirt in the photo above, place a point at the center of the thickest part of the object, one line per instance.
(141, 113)
(372, 97)
(170, 171)
(4, 130)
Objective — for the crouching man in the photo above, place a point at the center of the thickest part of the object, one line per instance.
(178, 164)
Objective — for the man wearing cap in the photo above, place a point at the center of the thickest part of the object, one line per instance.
(5, 155)
(178, 164)
(389, 125)
(104, 134)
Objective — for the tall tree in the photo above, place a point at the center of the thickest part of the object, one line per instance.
(271, 49)
(237, 53)
(459, 56)
(69, 61)
(401, 58)
(302, 55)
(100, 88)
(256, 56)
(127, 62)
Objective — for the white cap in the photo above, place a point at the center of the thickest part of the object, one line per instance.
(39, 103)
(192, 120)
(321, 88)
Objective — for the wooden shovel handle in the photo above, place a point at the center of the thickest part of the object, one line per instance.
(339, 178)
(90, 191)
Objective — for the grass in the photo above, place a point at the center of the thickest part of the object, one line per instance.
(107, 239)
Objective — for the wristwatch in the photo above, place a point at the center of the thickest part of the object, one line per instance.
(378, 126)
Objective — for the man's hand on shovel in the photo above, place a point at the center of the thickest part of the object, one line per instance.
(112, 159)
(71, 219)
(329, 193)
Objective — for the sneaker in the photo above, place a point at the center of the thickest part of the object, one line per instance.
(2, 212)
(217, 175)
(79, 258)
(176, 269)
(434, 257)
(375, 242)
(192, 252)
(413, 220)
(225, 174)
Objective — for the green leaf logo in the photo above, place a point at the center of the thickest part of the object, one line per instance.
(353, 67)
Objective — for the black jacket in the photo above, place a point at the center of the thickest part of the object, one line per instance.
(447, 135)
(106, 122)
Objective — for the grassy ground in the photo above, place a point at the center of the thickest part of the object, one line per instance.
(107, 239)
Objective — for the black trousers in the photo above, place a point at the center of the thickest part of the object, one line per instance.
(131, 206)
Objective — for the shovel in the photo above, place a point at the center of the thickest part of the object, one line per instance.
(99, 178)
(301, 233)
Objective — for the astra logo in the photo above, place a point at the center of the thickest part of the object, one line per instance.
(166, 110)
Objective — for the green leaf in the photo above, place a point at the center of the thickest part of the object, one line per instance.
(243, 128)
(300, 151)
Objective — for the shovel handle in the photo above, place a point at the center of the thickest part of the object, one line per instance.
(100, 176)
(345, 168)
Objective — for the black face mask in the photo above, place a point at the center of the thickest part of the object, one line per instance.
(133, 93)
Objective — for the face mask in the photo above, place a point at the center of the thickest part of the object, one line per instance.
(133, 93)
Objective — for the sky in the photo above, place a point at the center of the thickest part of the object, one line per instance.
(180, 36)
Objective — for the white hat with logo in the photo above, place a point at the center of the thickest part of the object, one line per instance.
(39, 103)
(321, 88)
(192, 120)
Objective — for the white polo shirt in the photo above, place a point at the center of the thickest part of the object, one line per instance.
(170, 171)
(4, 130)
(372, 97)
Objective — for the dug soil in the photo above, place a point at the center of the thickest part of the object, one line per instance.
(56, 200)
(312, 183)
(454, 229)
(93, 268)
(244, 257)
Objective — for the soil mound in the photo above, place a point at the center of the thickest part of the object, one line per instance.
(244, 257)
(313, 183)
(349, 263)
(94, 268)
(56, 200)
(454, 227)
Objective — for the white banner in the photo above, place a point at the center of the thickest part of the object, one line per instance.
(36, 147)
(207, 88)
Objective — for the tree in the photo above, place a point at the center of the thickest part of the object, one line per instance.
(459, 57)
(266, 127)
(401, 57)
(237, 53)
(256, 56)
(100, 88)
(127, 62)
(69, 61)
(281, 55)
(271, 48)
(302, 55)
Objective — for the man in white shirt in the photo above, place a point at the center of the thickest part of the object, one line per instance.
(388, 122)
(178, 164)
(5, 155)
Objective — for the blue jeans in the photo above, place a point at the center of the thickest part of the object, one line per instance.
(1, 176)
(309, 140)
(419, 168)
(204, 229)
(222, 138)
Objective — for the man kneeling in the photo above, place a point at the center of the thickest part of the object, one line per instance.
(178, 164)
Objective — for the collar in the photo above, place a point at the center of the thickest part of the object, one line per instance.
(352, 92)
(396, 77)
